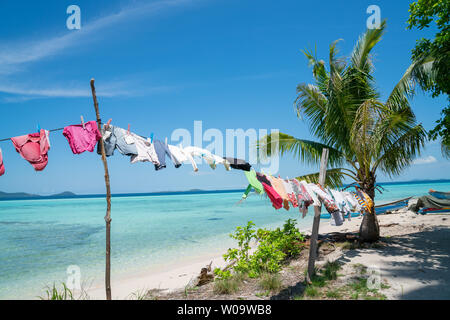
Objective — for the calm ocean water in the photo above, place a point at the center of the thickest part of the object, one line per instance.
(39, 239)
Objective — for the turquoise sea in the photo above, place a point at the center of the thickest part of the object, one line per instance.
(39, 239)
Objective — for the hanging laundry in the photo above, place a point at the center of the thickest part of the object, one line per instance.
(336, 218)
(303, 197)
(362, 204)
(117, 138)
(277, 184)
(311, 193)
(2, 167)
(263, 178)
(145, 150)
(366, 198)
(162, 150)
(34, 147)
(81, 138)
(212, 159)
(292, 197)
(238, 164)
(344, 207)
(253, 183)
(329, 204)
(351, 201)
(182, 156)
(275, 198)
(324, 197)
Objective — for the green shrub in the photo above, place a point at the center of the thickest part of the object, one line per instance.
(274, 246)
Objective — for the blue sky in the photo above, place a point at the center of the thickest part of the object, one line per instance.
(160, 65)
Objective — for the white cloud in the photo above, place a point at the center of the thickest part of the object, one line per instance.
(23, 92)
(15, 56)
(426, 160)
(12, 55)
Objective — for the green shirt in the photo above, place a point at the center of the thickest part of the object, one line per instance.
(253, 183)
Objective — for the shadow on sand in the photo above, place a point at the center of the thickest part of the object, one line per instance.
(421, 258)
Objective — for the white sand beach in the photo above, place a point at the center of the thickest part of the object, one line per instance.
(415, 263)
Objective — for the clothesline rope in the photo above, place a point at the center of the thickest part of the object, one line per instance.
(52, 130)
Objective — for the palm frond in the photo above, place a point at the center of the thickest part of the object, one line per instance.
(420, 71)
(317, 65)
(311, 101)
(360, 57)
(309, 152)
(363, 128)
(400, 153)
(334, 177)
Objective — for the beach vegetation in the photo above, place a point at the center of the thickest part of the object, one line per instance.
(333, 294)
(270, 282)
(54, 293)
(330, 270)
(324, 284)
(363, 133)
(272, 248)
(227, 286)
(311, 291)
(140, 294)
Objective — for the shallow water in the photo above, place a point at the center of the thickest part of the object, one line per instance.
(39, 239)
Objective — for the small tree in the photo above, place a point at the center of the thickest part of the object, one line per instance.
(422, 13)
(345, 113)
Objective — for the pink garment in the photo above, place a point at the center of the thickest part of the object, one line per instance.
(2, 167)
(276, 199)
(33, 147)
(82, 139)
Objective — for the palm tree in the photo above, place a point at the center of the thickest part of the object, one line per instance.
(345, 113)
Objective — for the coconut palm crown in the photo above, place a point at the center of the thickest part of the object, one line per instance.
(345, 113)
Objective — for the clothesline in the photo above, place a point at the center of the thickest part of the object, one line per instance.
(83, 137)
(52, 130)
(284, 193)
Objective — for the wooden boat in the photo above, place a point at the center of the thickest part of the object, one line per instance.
(440, 194)
(398, 204)
(434, 210)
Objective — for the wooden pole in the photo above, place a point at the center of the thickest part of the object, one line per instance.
(108, 200)
(317, 210)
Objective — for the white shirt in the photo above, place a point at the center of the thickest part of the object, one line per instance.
(182, 156)
(146, 150)
(350, 199)
(210, 158)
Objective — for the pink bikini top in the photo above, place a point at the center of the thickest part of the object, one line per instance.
(33, 148)
(2, 167)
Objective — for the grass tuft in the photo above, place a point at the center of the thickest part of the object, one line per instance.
(53, 293)
(311, 291)
(270, 281)
(330, 270)
(226, 286)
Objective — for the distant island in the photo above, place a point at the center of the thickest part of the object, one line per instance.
(23, 195)
(68, 194)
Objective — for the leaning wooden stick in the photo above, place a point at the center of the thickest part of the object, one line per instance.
(108, 200)
(315, 228)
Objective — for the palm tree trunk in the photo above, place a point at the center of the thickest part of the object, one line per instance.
(369, 230)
